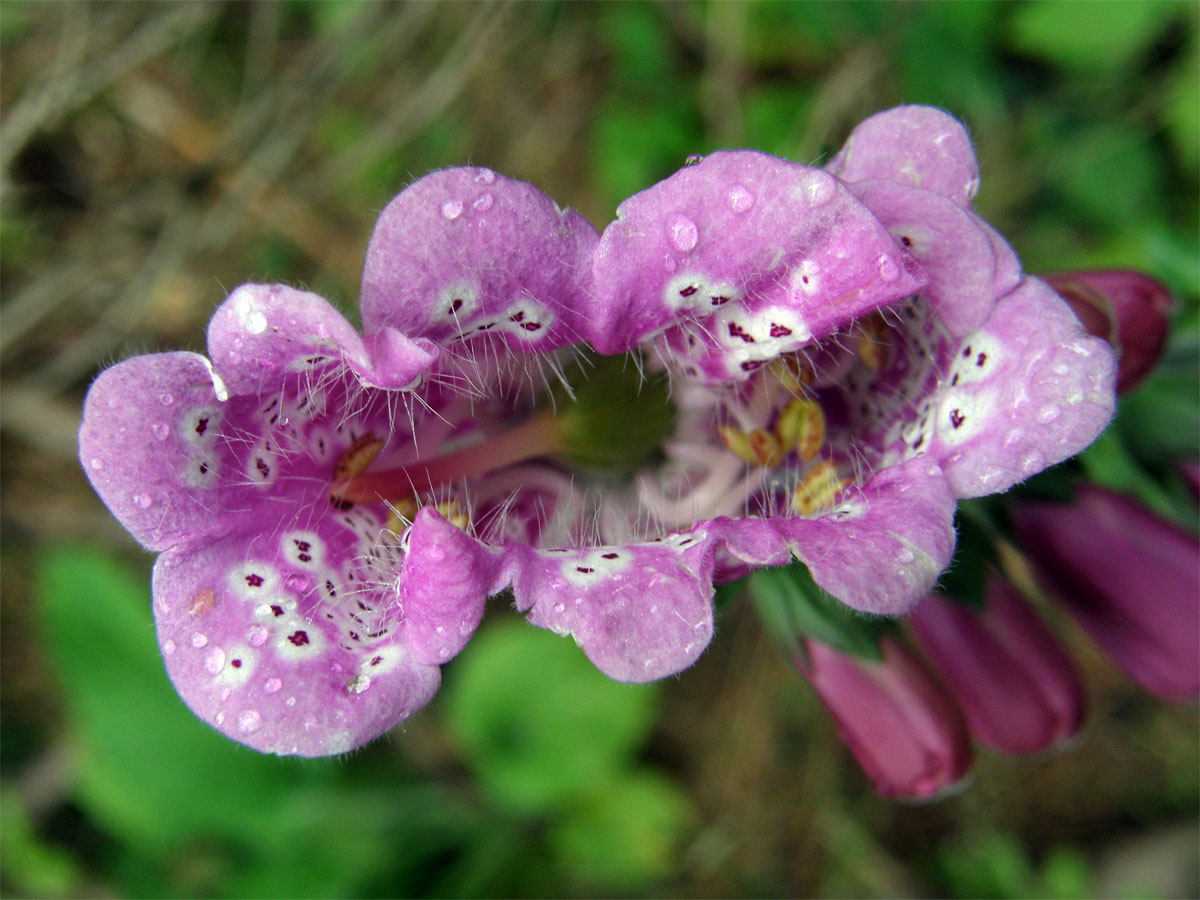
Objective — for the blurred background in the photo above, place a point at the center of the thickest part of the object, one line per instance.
(155, 155)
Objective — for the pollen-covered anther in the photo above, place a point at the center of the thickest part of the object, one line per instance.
(353, 461)
(758, 447)
(801, 426)
(401, 514)
(873, 342)
(792, 373)
(454, 514)
(818, 490)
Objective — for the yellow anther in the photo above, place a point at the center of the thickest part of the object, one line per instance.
(872, 342)
(792, 373)
(738, 442)
(401, 514)
(357, 457)
(818, 489)
(801, 426)
(453, 513)
(758, 447)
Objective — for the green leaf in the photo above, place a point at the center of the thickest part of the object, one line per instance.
(31, 867)
(792, 606)
(1099, 35)
(538, 723)
(1160, 422)
(626, 833)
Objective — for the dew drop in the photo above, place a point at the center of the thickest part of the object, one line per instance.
(291, 701)
(888, 270)
(220, 718)
(1033, 461)
(215, 661)
(142, 501)
(272, 686)
(1049, 413)
(97, 464)
(168, 647)
(1014, 437)
(818, 187)
(249, 721)
(740, 198)
(444, 652)
(166, 399)
(693, 159)
(297, 584)
(484, 202)
(358, 684)
(162, 431)
(452, 209)
(199, 640)
(560, 607)
(683, 233)
(256, 635)
(234, 357)
(485, 176)
(904, 556)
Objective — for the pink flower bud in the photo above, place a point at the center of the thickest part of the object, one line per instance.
(1130, 578)
(902, 726)
(1017, 686)
(1128, 308)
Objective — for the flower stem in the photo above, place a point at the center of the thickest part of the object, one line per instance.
(540, 435)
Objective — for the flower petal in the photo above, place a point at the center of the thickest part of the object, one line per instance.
(769, 254)
(264, 332)
(956, 253)
(465, 251)
(919, 146)
(255, 650)
(1026, 391)
(143, 444)
(444, 585)
(640, 612)
(882, 550)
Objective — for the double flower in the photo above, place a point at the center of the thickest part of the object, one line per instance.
(757, 362)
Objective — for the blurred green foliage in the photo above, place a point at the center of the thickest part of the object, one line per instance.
(530, 775)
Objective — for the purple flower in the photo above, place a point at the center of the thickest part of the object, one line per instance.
(849, 350)
(852, 349)
(291, 618)
(1016, 684)
(1130, 578)
(902, 726)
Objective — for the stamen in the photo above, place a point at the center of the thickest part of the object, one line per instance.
(872, 341)
(818, 489)
(801, 426)
(538, 436)
(793, 373)
(758, 446)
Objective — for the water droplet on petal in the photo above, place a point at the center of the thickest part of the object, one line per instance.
(297, 584)
(669, 263)
(1049, 413)
(256, 635)
(97, 464)
(272, 686)
(162, 431)
(740, 198)
(693, 159)
(249, 721)
(484, 202)
(888, 270)
(452, 209)
(199, 640)
(683, 233)
(291, 701)
(168, 647)
(485, 176)
(444, 652)
(560, 607)
(142, 501)
(818, 187)
(215, 661)
(904, 556)
(1032, 462)
(166, 399)
(1014, 437)
(234, 357)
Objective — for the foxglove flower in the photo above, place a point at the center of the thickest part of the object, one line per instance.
(291, 617)
(903, 727)
(852, 349)
(1017, 686)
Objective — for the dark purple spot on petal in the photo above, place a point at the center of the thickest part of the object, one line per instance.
(518, 316)
(980, 359)
(531, 326)
(456, 304)
(751, 364)
(736, 330)
(376, 660)
(779, 330)
(966, 351)
(956, 418)
(610, 556)
(254, 580)
(262, 467)
(584, 569)
(688, 291)
(202, 425)
(276, 610)
(299, 638)
(236, 663)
